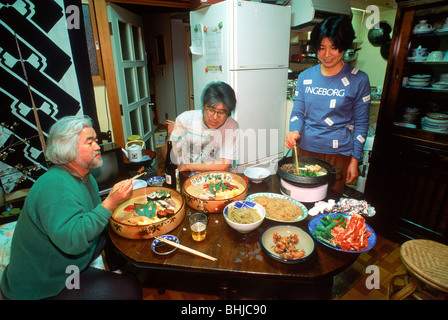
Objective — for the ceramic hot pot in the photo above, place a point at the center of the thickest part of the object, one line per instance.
(308, 182)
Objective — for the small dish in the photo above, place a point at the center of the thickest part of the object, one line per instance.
(306, 242)
(437, 116)
(161, 248)
(244, 227)
(156, 181)
(138, 184)
(423, 31)
(256, 175)
(420, 76)
(193, 173)
(440, 85)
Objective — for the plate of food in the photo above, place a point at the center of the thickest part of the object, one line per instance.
(280, 208)
(212, 191)
(149, 212)
(287, 244)
(343, 232)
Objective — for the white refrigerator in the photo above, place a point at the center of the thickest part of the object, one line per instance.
(246, 44)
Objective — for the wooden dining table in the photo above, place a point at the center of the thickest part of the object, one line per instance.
(241, 265)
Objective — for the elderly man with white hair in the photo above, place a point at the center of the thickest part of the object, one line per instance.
(60, 227)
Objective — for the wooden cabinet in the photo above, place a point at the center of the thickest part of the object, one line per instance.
(408, 176)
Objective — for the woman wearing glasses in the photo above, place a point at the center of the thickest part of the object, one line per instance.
(207, 139)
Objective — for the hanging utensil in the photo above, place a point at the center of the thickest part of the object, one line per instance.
(36, 116)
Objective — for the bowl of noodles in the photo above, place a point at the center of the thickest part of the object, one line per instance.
(210, 192)
(148, 213)
(244, 216)
(280, 208)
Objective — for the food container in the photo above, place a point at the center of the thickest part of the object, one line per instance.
(147, 231)
(201, 204)
(161, 248)
(244, 227)
(305, 243)
(307, 182)
(256, 175)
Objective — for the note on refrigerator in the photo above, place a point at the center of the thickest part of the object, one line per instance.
(197, 40)
(213, 49)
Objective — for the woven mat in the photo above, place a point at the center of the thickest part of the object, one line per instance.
(428, 260)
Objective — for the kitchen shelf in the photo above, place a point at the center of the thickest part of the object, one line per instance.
(422, 136)
(429, 62)
(412, 161)
(430, 34)
(426, 88)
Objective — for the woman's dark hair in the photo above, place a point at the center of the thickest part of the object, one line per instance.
(338, 29)
(219, 92)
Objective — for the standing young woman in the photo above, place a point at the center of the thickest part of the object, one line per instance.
(330, 117)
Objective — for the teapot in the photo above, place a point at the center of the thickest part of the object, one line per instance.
(419, 52)
(422, 25)
(134, 150)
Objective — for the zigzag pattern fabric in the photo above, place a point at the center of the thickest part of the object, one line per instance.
(51, 37)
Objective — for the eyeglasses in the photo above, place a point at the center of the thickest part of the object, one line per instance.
(220, 113)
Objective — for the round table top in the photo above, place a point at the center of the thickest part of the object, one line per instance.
(428, 260)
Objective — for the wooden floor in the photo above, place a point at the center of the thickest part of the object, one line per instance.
(349, 285)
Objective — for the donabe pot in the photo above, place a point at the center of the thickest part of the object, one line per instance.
(308, 182)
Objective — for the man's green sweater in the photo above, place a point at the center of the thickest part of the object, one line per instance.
(58, 227)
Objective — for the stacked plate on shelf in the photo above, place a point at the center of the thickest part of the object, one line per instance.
(420, 80)
(409, 118)
(435, 122)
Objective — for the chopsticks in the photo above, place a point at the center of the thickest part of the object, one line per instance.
(138, 175)
(189, 129)
(133, 178)
(296, 160)
(174, 244)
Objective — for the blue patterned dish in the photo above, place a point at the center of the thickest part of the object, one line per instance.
(156, 181)
(162, 248)
(317, 220)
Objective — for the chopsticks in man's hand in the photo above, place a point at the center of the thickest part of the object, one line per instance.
(133, 178)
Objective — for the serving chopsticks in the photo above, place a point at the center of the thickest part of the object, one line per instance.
(296, 160)
(174, 244)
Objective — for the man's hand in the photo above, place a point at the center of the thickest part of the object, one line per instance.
(120, 192)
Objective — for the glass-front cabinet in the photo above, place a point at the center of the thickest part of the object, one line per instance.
(408, 176)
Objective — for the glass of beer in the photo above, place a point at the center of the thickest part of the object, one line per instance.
(198, 226)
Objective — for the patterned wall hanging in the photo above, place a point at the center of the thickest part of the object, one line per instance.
(52, 42)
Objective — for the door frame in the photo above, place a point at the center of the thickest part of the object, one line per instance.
(108, 59)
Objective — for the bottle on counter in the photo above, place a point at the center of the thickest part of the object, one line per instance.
(171, 170)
